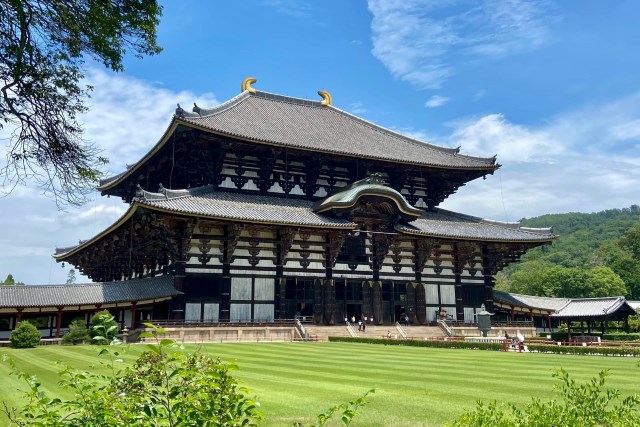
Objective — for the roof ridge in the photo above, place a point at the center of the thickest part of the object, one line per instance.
(204, 112)
(216, 109)
(414, 141)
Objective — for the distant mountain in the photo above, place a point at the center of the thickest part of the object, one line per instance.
(581, 234)
(596, 254)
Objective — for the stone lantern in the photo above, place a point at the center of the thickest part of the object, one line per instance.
(484, 320)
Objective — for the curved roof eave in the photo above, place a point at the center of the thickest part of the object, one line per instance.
(468, 238)
(136, 204)
(353, 195)
(490, 166)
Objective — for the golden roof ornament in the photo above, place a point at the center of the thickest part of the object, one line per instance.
(326, 97)
(246, 85)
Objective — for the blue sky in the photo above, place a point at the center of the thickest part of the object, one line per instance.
(552, 88)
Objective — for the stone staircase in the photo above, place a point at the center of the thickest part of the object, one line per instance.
(322, 333)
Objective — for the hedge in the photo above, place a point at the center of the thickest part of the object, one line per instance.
(538, 348)
(612, 336)
(588, 350)
(423, 343)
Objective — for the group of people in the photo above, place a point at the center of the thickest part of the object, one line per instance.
(362, 323)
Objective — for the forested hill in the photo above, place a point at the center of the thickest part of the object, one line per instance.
(596, 254)
(581, 234)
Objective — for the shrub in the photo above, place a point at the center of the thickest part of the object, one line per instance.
(25, 335)
(165, 387)
(77, 334)
(585, 405)
(104, 327)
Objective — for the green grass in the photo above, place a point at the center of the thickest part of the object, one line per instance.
(414, 386)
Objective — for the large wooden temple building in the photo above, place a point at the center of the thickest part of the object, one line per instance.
(270, 207)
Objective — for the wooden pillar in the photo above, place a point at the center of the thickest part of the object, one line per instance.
(317, 300)
(377, 302)
(133, 316)
(421, 304)
(549, 322)
(329, 301)
(458, 263)
(282, 299)
(58, 321)
(487, 279)
(410, 301)
(366, 299)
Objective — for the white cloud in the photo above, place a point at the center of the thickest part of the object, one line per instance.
(436, 101)
(416, 39)
(128, 116)
(584, 160)
(511, 142)
(357, 107)
(126, 119)
(297, 8)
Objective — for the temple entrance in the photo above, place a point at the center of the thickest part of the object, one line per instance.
(354, 310)
(304, 311)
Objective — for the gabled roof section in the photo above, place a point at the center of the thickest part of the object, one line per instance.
(594, 307)
(447, 224)
(207, 203)
(530, 301)
(155, 288)
(301, 123)
(372, 186)
(284, 121)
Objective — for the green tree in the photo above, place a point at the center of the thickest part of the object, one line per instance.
(165, 387)
(104, 327)
(584, 405)
(43, 47)
(9, 281)
(71, 277)
(25, 335)
(77, 333)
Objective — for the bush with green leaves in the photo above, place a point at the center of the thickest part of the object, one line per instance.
(166, 386)
(585, 405)
(77, 334)
(25, 335)
(104, 327)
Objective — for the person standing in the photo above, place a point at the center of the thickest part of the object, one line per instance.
(364, 325)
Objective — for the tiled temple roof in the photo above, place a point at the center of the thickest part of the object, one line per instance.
(87, 294)
(300, 123)
(207, 202)
(593, 307)
(529, 301)
(567, 308)
(308, 125)
(443, 223)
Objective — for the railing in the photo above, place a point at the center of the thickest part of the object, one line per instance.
(209, 324)
(445, 328)
(403, 334)
(514, 324)
(302, 330)
(351, 330)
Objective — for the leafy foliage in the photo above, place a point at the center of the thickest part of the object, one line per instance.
(596, 255)
(25, 335)
(43, 45)
(347, 411)
(103, 327)
(585, 405)
(77, 334)
(165, 387)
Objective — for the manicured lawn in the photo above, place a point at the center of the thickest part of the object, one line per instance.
(414, 386)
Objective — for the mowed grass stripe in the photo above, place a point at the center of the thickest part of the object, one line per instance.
(414, 386)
